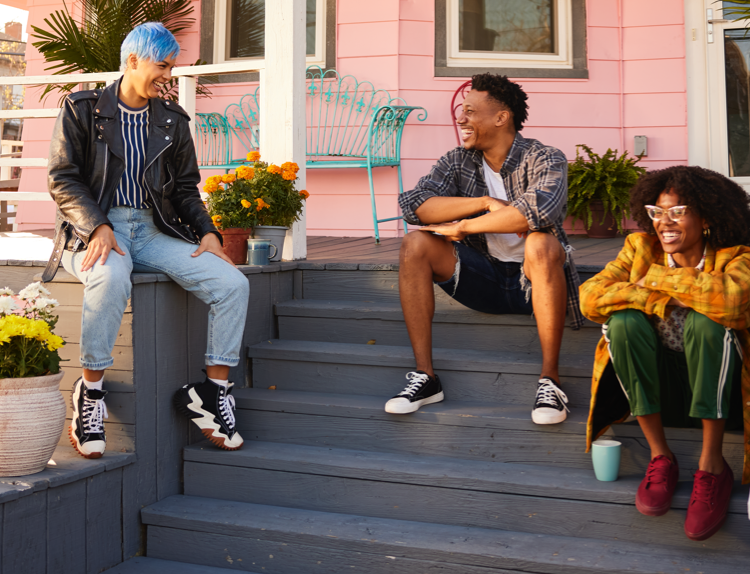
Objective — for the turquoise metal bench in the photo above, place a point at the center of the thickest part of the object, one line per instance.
(350, 124)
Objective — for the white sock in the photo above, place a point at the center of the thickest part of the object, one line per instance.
(97, 385)
(224, 383)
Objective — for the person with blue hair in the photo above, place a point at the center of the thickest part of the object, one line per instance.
(124, 176)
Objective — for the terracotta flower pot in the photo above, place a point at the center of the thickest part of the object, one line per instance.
(235, 244)
(599, 229)
(32, 418)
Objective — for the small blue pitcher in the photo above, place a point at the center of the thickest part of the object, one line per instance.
(259, 251)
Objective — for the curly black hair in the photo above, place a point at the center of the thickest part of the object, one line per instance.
(508, 93)
(717, 199)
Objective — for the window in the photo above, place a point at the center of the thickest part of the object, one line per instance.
(239, 30)
(521, 38)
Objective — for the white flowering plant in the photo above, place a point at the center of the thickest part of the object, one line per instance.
(28, 347)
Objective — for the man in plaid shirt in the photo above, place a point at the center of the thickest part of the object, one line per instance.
(493, 212)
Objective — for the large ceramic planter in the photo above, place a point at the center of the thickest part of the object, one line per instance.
(32, 417)
(275, 234)
(235, 244)
(599, 229)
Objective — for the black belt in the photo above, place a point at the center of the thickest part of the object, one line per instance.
(57, 250)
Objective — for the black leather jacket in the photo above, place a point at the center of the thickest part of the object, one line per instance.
(86, 163)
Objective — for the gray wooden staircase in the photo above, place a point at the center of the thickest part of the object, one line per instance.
(329, 483)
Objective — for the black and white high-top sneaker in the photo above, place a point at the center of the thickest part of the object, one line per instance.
(211, 407)
(87, 428)
(421, 390)
(551, 404)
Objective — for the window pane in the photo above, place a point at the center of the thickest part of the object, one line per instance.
(736, 58)
(247, 26)
(730, 7)
(506, 26)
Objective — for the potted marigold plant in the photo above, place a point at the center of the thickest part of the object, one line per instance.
(32, 409)
(261, 197)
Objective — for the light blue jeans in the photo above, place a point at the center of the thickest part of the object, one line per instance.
(107, 288)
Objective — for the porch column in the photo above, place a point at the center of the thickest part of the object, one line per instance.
(282, 101)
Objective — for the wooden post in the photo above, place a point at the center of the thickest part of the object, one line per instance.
(282, 101)
(187, 86)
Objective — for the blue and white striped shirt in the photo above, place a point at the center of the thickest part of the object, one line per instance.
(132, 191)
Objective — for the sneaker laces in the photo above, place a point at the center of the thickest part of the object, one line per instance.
(416, 382)
(704, 488)
(226, 407)
(94, 410)
(658, 470)
(549, 393)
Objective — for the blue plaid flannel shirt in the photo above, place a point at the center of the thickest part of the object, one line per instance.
(536, 180)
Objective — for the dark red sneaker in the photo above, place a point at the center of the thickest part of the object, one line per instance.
(709, 503)
(654, 496)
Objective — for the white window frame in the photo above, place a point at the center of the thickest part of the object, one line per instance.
(563, 59)
(221, 38)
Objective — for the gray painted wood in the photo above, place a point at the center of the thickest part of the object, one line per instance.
(351, 285)
(114, 380)
(459, 506)
(448, 545)
(123, 356)
(17, 277)
(103, 521)
(66, 529)
(120, 436)
(171, 374)
(298, 291)
(120, 407)
(24, 543)
(143, 565)
(480, 476)
(507, 387)
(69, 326)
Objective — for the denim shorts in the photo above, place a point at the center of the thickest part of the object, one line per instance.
(487, 285)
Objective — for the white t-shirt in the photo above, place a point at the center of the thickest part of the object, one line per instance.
(503, 246)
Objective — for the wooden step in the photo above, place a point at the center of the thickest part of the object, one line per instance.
(143, 565)
(213, 532)
(454, 326)
(466, 430)
(523, 498)
(466, 375)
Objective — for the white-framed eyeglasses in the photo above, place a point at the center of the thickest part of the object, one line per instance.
(675, 213)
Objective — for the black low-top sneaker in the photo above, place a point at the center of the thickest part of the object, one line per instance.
(211, 407)
(87, 428)
(551, 404)
(421, 390)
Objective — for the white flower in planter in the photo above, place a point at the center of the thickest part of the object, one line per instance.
(44, 304)
(33, 290)
(7, 305)
(6, 291)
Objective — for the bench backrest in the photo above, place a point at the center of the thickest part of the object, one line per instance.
(341, 119)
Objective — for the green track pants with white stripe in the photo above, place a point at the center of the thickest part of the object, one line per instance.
(700, 383)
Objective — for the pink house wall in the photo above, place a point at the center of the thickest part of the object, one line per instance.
(636, 86)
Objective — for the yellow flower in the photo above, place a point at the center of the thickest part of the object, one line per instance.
(214, 179)
(228, 178)
(290, 166)
(288, 175)
(210, 187)
(244, 172)
(17, 326)
(261, 204)
(245, 203)
(304, 193)
(216, 219)
(253, 156)
(273, 169)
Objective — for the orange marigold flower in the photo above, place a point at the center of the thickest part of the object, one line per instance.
(210, 187)
(288, 175)
(216, 219)
(214, 179)
(228, 178)
(245, 203)
(304, 193)
(244, 172)
(273, 169)
(253, 156)
(262, 204)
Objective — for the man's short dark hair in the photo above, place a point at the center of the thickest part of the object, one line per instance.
(508, 93)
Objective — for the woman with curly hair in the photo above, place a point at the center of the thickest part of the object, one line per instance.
(675, 308)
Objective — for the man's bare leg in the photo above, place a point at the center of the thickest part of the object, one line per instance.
(424, 258)
(543, 265)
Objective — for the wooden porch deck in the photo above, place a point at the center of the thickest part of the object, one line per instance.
(588, 252)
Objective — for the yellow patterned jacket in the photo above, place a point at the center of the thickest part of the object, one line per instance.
(721, 292)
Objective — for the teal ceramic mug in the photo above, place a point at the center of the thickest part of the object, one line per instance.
(605, 454)
(259, 251)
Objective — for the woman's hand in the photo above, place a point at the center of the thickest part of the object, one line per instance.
(102, 241)
(211, 244)
(451, 231)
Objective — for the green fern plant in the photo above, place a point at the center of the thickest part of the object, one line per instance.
(91, 43)
(607, 178)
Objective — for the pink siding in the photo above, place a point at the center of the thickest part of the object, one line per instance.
(636, 86)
